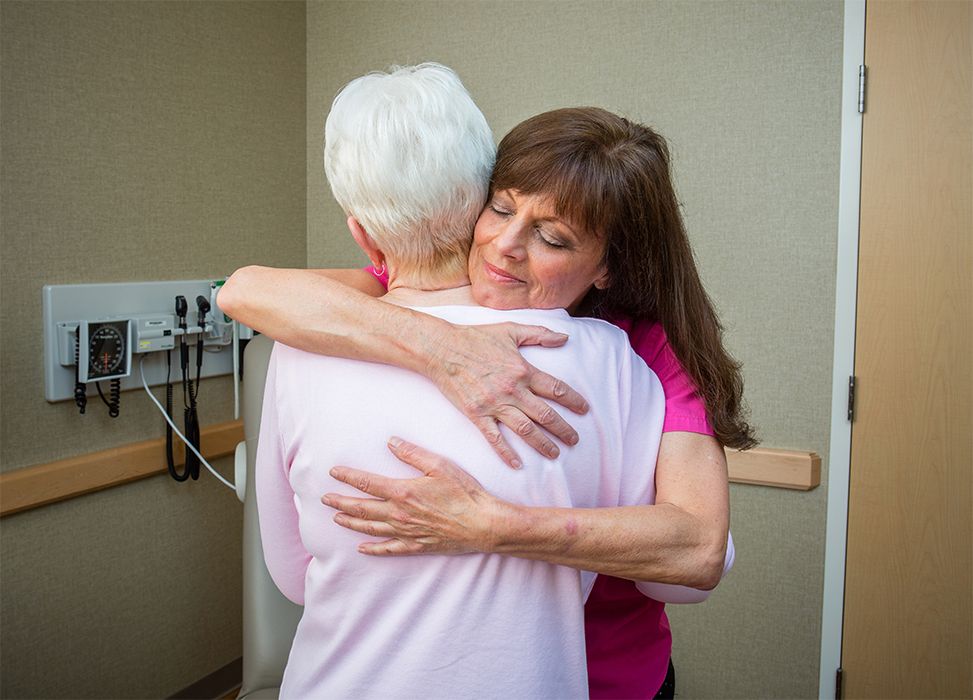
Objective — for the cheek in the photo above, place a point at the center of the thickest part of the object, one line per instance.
(554, 285)
(482, 231)
(562, 285)
(477, 254)
(478, 248)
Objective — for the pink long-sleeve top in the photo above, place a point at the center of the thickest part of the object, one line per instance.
(629, 640)
(475, 625)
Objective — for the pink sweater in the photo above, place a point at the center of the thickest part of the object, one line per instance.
(465, 626)
(628, 637)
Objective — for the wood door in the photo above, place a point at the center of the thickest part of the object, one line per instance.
(908, 618)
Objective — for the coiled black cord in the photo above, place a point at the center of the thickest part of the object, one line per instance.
(191, 389)
(115, 392)
(191, 429)
(116, 397)
(170, 457)
(190, 418)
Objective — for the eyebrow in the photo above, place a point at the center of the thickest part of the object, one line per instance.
(557, 219)
(513, 194)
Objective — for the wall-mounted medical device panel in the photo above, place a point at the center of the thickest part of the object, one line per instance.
(93, 331)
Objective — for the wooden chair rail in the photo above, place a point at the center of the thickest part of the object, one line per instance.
(40, 485)
(765, 466)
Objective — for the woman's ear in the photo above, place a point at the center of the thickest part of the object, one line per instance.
(603, 281)
(366, 243)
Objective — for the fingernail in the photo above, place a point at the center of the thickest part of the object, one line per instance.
(333, 472)
(553, 452)
(326, 500)
(516, 464)
(573, 439)
(395, 443)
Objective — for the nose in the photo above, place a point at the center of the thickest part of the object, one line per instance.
(510, 241)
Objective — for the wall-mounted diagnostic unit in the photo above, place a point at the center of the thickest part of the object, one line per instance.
(137, 335)
(99, 332)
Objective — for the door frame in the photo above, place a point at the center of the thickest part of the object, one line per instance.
(846, 295)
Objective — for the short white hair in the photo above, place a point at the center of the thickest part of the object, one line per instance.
(409, 155)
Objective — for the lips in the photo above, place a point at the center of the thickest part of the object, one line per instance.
(498, 275)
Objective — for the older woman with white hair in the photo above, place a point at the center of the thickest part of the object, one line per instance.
(409, 156)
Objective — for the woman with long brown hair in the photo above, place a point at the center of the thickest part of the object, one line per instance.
(563, 171)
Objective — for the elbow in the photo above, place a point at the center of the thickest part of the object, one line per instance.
(295, 594)
(702, 572)
(715, 559)
(709, 572)
(290, 588)
(230, 297)
(289, 577)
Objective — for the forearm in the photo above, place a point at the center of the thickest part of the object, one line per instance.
(309, 310)
(668, 593)
(478, 368)
(681, 540)
(643, 543)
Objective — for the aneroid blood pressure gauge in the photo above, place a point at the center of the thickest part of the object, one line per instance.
(105, 350)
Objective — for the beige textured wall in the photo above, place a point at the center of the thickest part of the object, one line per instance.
(748, 95)
(140, 141)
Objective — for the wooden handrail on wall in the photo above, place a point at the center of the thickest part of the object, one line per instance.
(31, 487)
(23, 489)
(764, 466)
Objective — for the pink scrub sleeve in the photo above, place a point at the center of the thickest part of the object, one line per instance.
(627, 635)
(685, 411)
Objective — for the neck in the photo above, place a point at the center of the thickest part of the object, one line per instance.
(441, 291)
(447, 284)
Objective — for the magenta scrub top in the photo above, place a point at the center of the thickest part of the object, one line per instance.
(626, 634)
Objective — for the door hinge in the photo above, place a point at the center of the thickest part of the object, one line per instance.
(861, 89)
(837, 684)
(851, 398)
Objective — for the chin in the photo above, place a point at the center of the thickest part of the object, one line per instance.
(501, 302)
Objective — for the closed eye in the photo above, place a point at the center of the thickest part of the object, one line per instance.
(550, 240)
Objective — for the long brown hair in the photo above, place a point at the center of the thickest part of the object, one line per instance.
(612, 177)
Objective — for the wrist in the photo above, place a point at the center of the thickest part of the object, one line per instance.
(506, 527)
(408, 339)
(433, 350)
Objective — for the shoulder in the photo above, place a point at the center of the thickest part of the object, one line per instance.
(685, 410)
(602, 345)
(649, 341)
(285, 354)
(600, 331)
(609, 347)
(289, 364)
(593, 339)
